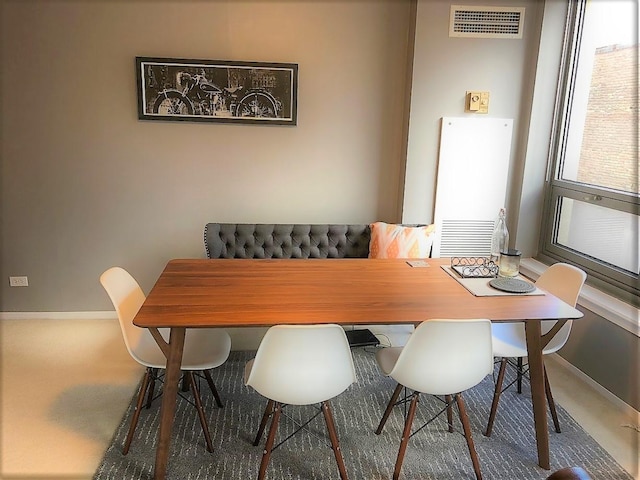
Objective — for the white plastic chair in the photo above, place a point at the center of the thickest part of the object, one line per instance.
(300, 365)
(442, 357)
(203, 348)
(509, 340)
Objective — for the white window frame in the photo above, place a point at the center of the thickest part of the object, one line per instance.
(614, 280)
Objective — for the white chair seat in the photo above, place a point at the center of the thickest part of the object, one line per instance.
(442, 357)
(387, 358)
(300, 365)
(204, 349)
(247, 370)
(509, 339)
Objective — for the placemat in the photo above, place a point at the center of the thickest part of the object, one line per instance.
(480, 286)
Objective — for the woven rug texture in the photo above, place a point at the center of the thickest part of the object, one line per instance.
(433, 453)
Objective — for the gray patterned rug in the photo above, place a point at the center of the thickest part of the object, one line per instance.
(510, 453)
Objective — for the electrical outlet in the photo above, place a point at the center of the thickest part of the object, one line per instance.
(18, 281)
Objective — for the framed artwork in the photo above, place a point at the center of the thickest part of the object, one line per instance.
(217, 91)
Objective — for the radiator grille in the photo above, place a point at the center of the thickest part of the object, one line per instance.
(466, 238)
(486, 22)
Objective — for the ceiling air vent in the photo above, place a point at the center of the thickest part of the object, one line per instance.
(486, 22)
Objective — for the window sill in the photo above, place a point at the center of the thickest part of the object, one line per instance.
(622, 314)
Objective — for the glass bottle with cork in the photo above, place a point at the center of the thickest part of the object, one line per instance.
(507, 258)
(500, 237)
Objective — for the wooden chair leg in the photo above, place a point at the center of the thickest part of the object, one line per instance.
(136, 413)
(268, 411)
(447, 398)
(213, 389)
(405, 435)
(331, 427)
(198, 402)
(552, 405)
(266, 454)
(152, 386)
(462, 411)
(387, 412)
(520, 374)
(496, 397)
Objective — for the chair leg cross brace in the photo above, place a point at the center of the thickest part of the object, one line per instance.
(406, 434)
(268, 412)
(147, 389)
(520, 374)
(447, 408)
(274, 410)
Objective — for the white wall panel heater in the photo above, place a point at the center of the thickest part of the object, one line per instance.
(473, 168)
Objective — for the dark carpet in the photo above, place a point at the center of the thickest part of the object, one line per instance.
(433, 453)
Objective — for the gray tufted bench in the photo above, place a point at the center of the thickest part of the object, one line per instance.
(248, 240)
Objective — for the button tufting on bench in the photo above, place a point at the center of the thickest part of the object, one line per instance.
(230, 240)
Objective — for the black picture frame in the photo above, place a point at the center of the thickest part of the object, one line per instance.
(172, 89)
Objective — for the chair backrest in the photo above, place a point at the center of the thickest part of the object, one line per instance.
(445, 356)
(565, 282)
(302, 364)
(127, 298)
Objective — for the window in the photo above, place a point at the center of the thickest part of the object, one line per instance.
(592, 202)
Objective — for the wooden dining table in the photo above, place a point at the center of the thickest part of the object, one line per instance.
(225, 293)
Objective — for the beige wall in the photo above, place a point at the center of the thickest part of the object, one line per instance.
(444, 68)
(86, 185)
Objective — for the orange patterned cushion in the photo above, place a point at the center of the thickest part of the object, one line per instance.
(397, 241)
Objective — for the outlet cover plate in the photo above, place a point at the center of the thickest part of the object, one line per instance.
(18, 282)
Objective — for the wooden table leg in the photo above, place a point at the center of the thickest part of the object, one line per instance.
(169, 396)
(536, 372)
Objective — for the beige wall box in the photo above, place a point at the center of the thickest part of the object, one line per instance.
(477, 102)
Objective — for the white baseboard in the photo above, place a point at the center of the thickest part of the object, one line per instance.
(244, 338)
(96, 315)
(576, 372)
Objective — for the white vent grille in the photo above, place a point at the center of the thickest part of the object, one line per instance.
(486, 22)
(466, 238)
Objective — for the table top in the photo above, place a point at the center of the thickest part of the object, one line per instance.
(264, 292)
